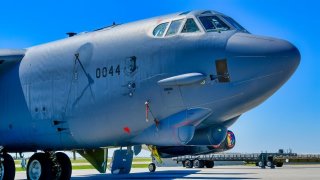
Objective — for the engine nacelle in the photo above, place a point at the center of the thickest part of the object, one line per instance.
(210, 136)
(227, 144)
(173, 151)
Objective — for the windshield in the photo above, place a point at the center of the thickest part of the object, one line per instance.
(160, 29)
(234, 24)
(174, 27)
(213, 23)
(190, 26)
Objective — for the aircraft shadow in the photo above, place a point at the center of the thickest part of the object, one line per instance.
(171, 174)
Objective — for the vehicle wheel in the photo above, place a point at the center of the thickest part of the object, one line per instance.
(279, 164)
(152, 167)
(198, 163)
(65, 165)
(189, 164)
(262, 165)
(183, 164)
(201, 163)
(39, 167)
(209, 164)
(7, 168)
(269, 164)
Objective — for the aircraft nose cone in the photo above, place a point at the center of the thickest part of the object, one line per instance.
(280, 53)
(292, 54)
(259, 66)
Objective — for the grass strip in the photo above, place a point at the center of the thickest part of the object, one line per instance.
(91, 167)
(18, 162)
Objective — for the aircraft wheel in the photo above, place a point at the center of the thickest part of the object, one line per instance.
(209, 164)
(188, 164)
(65, 164)
(39, 167)
(152, 167)
(198, 163)
(7, 168)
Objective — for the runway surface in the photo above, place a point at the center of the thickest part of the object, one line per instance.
(221, 172)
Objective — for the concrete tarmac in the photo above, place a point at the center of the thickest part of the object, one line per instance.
(290, 172)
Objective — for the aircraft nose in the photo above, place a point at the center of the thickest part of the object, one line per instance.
(280, 54)
(259, 66)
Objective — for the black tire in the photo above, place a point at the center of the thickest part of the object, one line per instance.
(39, 167)
(198, 163)
(152, 167)
(9, 169)
(183, 164)
(201, 163)
(270, 164)
(65, 165)
(279, 164)
(262, 164)
(209, 164)
(188, 164)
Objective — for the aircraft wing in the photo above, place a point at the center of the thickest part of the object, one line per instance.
(7, 55)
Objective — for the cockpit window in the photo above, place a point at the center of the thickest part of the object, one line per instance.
(190, 26)
(234, 24)
(174, 27)
(160, 29)
(213, 23)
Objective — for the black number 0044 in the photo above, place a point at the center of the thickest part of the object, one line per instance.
(107, 71)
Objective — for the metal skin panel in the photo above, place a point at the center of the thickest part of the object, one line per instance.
(72, 105)
(15, 121)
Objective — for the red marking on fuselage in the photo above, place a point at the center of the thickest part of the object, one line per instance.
(126, 129)
(183, 123)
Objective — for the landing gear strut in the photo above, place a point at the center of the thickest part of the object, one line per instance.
(7, 167)
(49, 166)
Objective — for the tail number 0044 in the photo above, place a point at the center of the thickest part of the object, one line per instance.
(107, 71)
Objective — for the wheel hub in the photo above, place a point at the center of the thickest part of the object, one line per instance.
(35, 170)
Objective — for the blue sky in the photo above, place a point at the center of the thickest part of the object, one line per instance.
(289, 119)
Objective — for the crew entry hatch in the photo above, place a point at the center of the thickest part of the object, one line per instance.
(222, 71)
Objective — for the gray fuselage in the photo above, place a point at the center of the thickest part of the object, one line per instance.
(89, 90)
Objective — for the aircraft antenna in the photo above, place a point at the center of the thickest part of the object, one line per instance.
(71, 34)
(148, 109)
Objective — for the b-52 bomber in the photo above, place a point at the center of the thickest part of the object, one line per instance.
(174, 83)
